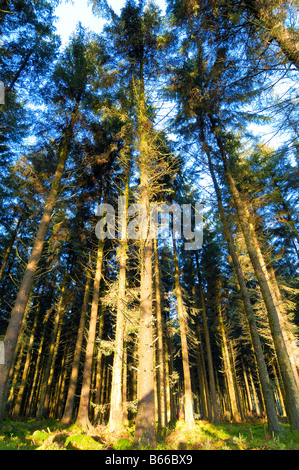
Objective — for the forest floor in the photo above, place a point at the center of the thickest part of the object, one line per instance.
(51, 435)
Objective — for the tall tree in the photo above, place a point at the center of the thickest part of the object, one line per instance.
(83, 412)
(182, 314)
(117, 406)
(134, 36)
(71, 76)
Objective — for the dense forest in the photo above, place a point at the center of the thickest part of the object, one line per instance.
(102, 321)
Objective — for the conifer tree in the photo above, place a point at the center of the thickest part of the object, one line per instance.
(71, 88)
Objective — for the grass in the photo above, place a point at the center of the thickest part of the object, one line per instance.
(51, 435)
(228, 436)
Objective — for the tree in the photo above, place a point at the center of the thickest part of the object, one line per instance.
(193, 109)
(291, 389)
(272, 18)
(83, 412)
(182, 314)
(136, 43)
(74, 83)
(69, 405)
(117, 406)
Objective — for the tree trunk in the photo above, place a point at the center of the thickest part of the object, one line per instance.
(215, 415)
(69, 405)
(19, 308)
(39, 357)
(291, 389)
(10, 245)
(170, 405)
(145, 429)
(13, 377)
(182, 314)
(161, 387)
(116, 406)
(203, 382)
(228, 366)
(18, 404)
(278, 387)
(254, 394)
(256, 342)
(57, 409)
(19, 71)
(99, 373)
(248, 394)
(273, 25)
(125, 388)
(43, 407)
(279, 302)
(83, 412)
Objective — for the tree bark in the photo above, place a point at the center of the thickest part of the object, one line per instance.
(116, 405)
(145, 430)
(99, 371)
(37, 369)
(282, 313)
(171, 409)
(203, 382)
(278, 387)
(248, 394)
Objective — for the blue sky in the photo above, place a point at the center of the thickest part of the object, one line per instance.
(69, 13)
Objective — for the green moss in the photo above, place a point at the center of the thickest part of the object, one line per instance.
(74, 429)
(82, 442)
(123, 444)
(39, 437)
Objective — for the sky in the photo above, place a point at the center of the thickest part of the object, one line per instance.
(71, 12)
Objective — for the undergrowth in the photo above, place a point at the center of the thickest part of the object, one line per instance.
(51, 435)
